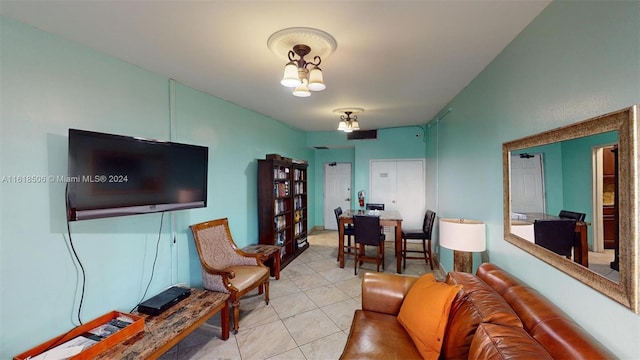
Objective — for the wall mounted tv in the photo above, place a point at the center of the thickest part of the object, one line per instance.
(113, 175)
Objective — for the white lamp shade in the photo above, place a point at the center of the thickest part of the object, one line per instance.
(342, 126)
(302, 90)
(355, 125)
(463, 235)
(290, 77)
(316, 82)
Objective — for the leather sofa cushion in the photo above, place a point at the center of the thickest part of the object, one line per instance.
(476, 303)
(375, 335)
(546, 323)
(493, 341)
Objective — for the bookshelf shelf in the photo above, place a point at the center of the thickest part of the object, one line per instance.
(282, 206)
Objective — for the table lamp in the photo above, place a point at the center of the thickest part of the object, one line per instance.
(463, 236)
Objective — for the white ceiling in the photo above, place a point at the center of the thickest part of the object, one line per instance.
(402, 61)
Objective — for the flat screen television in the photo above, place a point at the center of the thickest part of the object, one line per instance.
(114, 175)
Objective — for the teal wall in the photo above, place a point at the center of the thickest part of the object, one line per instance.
(576, 60)
(49, 85)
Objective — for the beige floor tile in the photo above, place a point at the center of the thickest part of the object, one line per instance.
(309, 281)
(292, 305)
(341, 313)
(323, 264)
(260, 315)
(282, 287)
(351, 287)
(326, 295)
(329, 347)
(337, 274)
(213, 350)
(264, 341)
(296, 269)
(293, 354)
(310, 326)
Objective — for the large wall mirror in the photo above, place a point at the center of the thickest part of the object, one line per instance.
(571, 199)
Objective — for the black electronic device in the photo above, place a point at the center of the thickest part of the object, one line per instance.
(163, 301)
(115, 175)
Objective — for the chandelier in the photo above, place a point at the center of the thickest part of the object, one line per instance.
(294, 44)
(348, 120)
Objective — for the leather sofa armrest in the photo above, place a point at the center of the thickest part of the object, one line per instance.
(384, 293)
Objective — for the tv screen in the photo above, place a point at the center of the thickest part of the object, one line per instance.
(114, 175)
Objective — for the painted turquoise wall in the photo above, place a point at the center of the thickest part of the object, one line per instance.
(576, 60)
(49, 85)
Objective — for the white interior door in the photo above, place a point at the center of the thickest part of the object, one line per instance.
(337, 191)
(400, 185)
(527, 184)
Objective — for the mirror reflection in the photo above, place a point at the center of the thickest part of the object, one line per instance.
(571, 200)
(563, 198)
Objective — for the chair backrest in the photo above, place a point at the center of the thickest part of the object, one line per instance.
(215, 245)
(556, 235)
(338, 212)
(374, 206)
(427, 223)
(367, 229)
(566, 214)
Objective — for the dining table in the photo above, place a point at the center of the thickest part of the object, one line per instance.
(387, 218)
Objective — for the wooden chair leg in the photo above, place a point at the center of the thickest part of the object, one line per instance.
(266, 291)
(404, 253)
(430, 255)
(236, 315)
(383, 255)
(355, 260)
(260, 289)
(424, 250)
(378, 258)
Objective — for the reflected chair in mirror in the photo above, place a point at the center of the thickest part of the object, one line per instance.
(226, 268)
(566, 214)
(348, 232)
(374, 206)
(423, 234)
(367, 233)
(555, 235)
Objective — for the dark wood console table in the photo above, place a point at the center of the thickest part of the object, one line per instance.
(164, 331)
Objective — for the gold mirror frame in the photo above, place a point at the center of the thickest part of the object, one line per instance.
(625, 122)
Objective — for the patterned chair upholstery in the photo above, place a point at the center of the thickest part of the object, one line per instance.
(226, 268)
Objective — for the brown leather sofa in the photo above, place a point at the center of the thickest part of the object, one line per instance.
(494, 316)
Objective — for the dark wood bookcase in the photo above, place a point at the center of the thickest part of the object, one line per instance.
(282, 206)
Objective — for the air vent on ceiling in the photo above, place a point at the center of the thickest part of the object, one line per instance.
(363, 135)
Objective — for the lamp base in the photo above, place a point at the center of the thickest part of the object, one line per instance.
(462, 261)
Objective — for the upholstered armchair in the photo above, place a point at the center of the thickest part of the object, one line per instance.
(226, 268)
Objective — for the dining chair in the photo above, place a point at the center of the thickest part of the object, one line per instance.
(374, 206)
(367, 233)
(348, 232)
(226, 268)
(566, 214)
(423, 234)
(557, 235)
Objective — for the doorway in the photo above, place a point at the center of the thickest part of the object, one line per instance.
(337, 191)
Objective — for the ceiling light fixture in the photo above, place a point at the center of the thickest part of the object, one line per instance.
(348, 119)
(302, 75)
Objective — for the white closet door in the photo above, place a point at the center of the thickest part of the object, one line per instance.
(400, 185)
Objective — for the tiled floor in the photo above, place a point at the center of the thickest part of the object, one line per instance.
(309, 314)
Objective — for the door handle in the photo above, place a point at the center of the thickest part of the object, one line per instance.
(347, 199)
